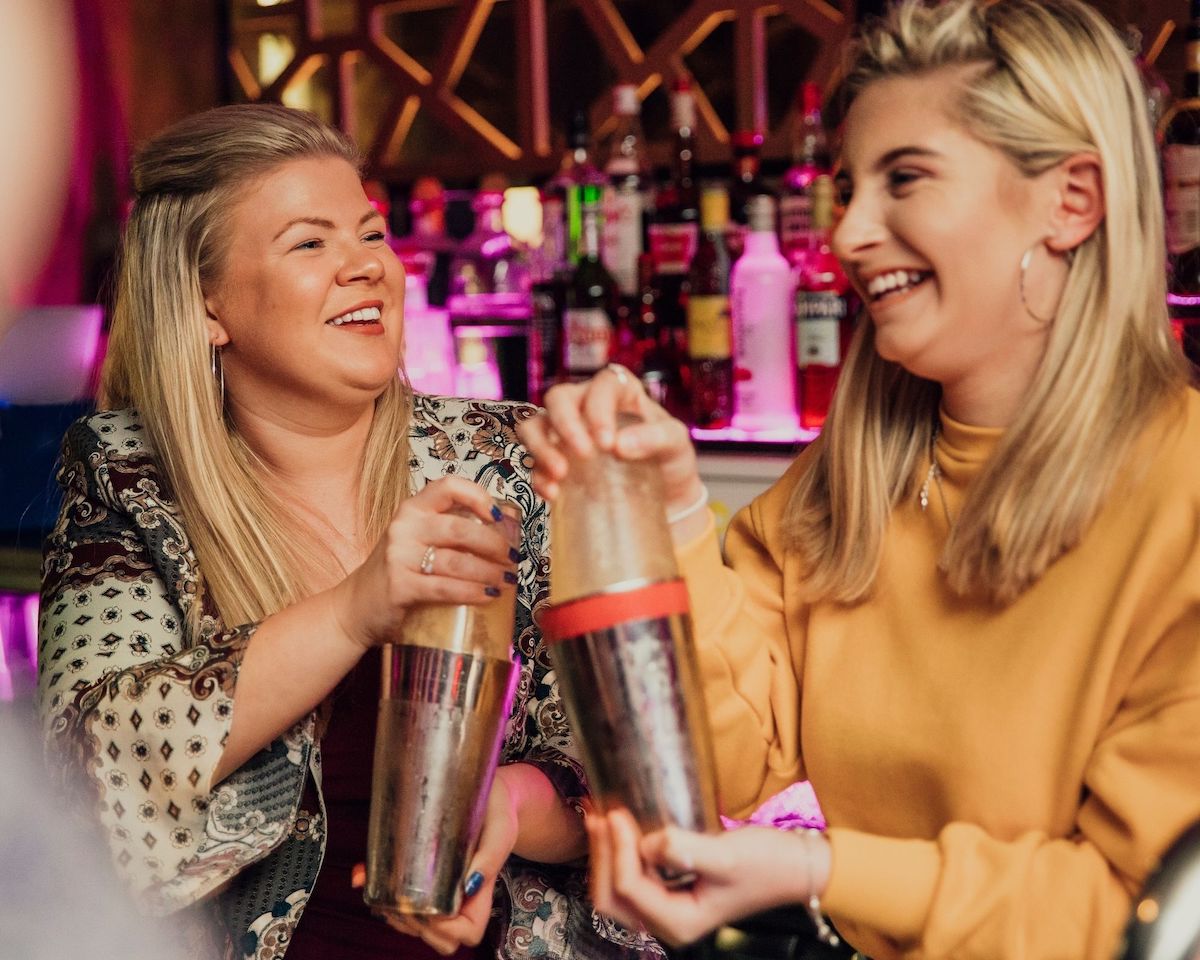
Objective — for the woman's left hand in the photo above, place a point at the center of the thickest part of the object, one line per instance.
(446, 935)
(738, 873)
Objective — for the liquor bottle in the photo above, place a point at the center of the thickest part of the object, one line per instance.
(489, 260)
(650, 349)
(822, 325)
(550, 278)
(426, 249)
(675, 230)
(591, 301)
(709, 342)
(630, 195)
(760, 285)
(1180, 130)
(810, 159)
(561, 213)
(746, 183)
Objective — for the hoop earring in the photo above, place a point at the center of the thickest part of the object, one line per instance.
(1025, 258)
(218, 372)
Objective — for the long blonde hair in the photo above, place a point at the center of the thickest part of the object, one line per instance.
(186, 181)
(1053, 80)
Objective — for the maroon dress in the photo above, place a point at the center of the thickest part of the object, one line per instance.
(336, 924)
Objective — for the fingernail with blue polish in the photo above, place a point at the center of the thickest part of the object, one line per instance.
(514, 554)
(496, 514)
(510, 577)
(492, 591)
(472, 884)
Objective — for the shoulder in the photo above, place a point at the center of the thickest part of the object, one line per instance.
(107, 435)
(458, 436)
(1165, 458)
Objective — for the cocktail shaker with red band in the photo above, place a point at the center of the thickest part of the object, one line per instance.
(620, 637)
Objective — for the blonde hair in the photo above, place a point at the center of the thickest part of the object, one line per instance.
(187, 181)
(1053, 80)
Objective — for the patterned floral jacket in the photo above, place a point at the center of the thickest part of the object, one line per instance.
(141, 708)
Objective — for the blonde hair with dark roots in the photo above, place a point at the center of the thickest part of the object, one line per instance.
(1053, 80)
(253, 554)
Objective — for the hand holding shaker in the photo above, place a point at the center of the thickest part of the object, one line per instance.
(447, 690)
(620, 638)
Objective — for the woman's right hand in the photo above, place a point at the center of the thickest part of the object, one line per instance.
(580, 418)
(471, 560)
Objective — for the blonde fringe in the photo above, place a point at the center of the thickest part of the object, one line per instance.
(1064, 85)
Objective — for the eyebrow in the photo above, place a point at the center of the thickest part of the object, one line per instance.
(322, 222)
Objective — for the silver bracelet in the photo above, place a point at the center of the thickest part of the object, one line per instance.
(824, 930)
(700, 504)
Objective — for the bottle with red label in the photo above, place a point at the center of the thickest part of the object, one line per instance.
(592, 296)
(822, 313)
(710, 347)
(810, 160)
(675, 230)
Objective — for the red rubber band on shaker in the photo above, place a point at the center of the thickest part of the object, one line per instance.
(605, 610)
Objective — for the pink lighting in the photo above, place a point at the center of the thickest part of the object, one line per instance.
(18, 645)
(783, 435)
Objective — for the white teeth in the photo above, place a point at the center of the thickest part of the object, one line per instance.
(895, 280)
(365, 315)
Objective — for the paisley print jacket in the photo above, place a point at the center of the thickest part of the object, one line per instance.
(141, 708)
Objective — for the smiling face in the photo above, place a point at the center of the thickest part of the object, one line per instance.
(933, 234)
(307, 308)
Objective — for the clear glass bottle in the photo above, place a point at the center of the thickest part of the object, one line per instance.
(629, 196)
(810, 160)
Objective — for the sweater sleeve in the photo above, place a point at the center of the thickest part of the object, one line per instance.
(966, 894)
(749, 652)
(138, 706)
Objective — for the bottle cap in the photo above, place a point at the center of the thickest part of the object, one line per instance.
(747, 141)
(760, 213)
(810, 98)
(579, 130)
(625, 100)
(714, 208)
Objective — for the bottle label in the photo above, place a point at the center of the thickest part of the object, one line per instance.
(673, 245)
(622, 242)
(819, 316)
(795, 219)
(1181, 168)
(708, 327)
(588, 334)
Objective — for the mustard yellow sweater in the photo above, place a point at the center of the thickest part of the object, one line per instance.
(998, 781)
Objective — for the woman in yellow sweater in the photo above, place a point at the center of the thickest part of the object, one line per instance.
(969, 613)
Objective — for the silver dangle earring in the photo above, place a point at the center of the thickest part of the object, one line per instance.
(218, 372)
(1026, 257)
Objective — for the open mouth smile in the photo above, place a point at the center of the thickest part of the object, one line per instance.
(887, 285)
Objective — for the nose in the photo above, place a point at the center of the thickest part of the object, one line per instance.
(363, 264)
(859, 230)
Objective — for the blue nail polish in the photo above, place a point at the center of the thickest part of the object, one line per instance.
(472, 884)
(496, 514)
(510, 577)
(492, 591)
(514, 554)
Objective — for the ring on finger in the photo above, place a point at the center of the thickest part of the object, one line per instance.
(427, 560)
(622, 373)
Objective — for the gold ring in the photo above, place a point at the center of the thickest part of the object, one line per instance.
(427, 560)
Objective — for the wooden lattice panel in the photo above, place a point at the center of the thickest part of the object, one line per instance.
(350, 45)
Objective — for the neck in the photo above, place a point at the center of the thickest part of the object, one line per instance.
(314, 462)
(993, 397)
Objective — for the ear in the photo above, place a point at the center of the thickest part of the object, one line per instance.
(1078, 206)
(218, 336)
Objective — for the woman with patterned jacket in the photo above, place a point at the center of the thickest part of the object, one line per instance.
(253, 510)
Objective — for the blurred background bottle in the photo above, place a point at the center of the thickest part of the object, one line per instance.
(629, 196)
(810, 160)
(822, 315)
(745, 184)
(675, 230)
(710, 349)
(591, 297)
(760, 285)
